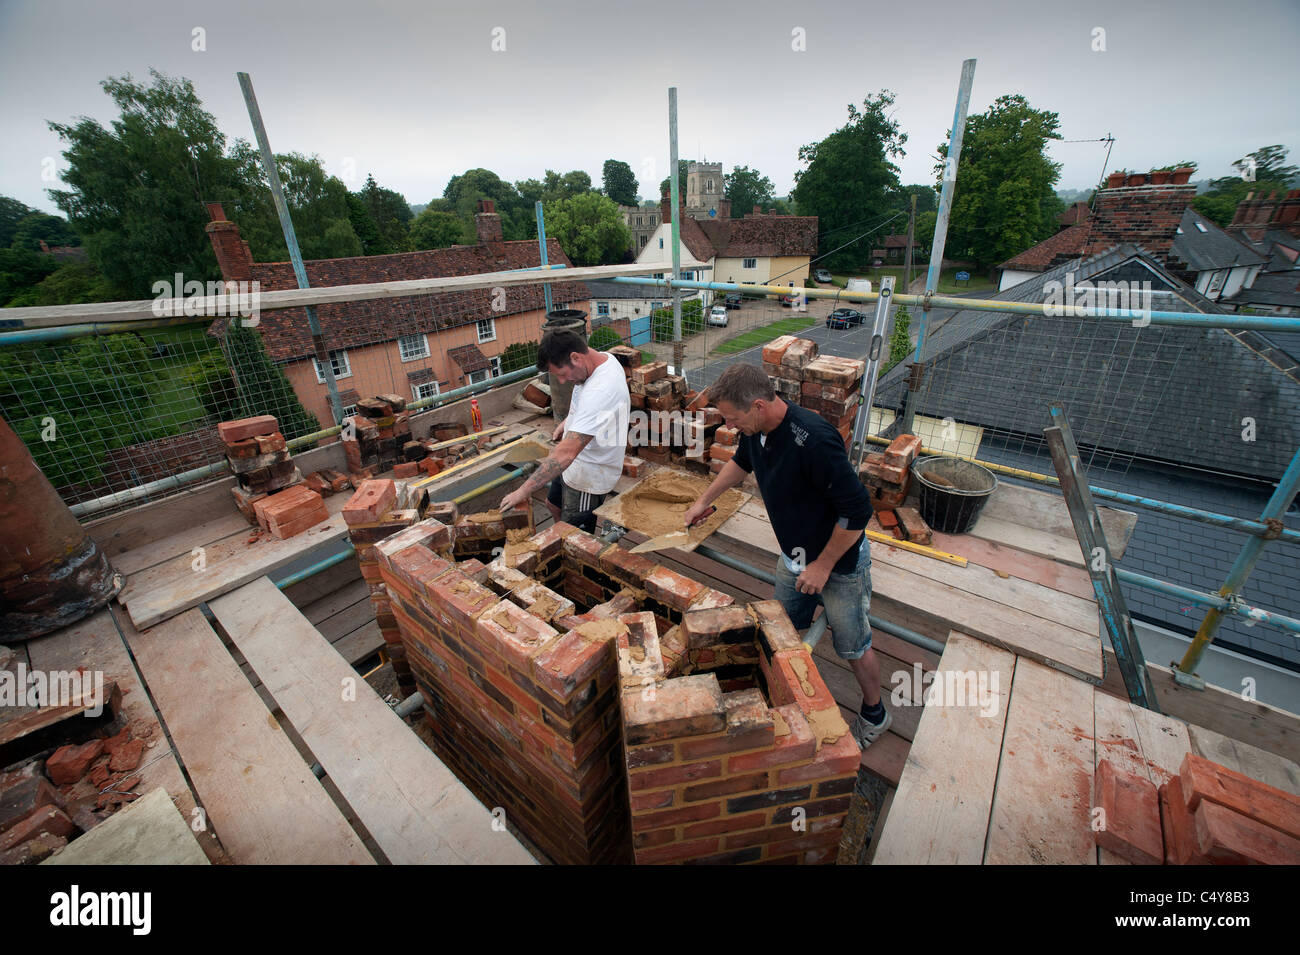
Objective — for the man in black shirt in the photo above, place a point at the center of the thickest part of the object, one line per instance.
(819, 509)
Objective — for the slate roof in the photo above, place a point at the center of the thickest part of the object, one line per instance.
(1171, 394)
(1209, 247)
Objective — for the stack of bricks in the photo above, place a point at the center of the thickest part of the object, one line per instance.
(827, 385)
(888, 474)
(327, 481)
(523, 711)
(736, 751)
(380, 426)
(378, 510)
(290, 512)
(1207, 815)
(256, 453)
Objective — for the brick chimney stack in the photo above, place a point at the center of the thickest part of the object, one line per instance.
(1259, 212)
(758, 210)
(233, 254)
(665, 208)
(1147, 216)
(487, 223)
(724, 208)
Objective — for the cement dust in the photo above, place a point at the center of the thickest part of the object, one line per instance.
(545, 606)
(601, 630)
(503, 620)
(782, 728)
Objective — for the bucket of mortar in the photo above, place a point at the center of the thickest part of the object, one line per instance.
(563, 319)
(953, 492)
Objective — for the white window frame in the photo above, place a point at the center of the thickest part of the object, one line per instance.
(749, 263)
(349, 410)
(483, 374)
(492, 329)
(402, 350)
(335, 357)
(418, 394)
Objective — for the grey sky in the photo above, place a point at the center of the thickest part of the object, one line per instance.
(414, 93)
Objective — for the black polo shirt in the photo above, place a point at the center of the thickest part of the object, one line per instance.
(807, 483)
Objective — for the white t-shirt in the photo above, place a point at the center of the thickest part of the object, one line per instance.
(600, 407)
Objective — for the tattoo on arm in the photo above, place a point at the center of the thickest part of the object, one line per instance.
(551, 467)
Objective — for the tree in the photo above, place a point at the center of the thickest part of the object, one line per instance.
(20, 269)
(261, 385)
(318, 204)
(464, 191)
(1271, 174)
(1005, 199)
(11, 213)
(849, 179)
(391, 217)
(927, 200)
(437, 230)
(619, 182)
(32, 229)
(604, 338)
(519, 355)
(136, 190)
(70, 284)
(900, 341)
(745, 188)
(589, 228)
(682, 166)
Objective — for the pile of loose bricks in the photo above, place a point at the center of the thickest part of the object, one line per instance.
(615, 709)
(47, 802)
(684, 441)
(888, 477)
(1206, 815)
(825, 384)
(269, 489)
(371, 437)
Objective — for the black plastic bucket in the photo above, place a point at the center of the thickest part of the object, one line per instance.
(953, 492)
(569, 319)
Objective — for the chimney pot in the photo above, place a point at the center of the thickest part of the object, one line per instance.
(215, 212)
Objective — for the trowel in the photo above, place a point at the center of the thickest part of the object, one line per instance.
(672, 538)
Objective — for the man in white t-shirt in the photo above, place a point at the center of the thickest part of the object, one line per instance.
(588, 458)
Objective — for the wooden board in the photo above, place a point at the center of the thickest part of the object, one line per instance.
(1019, 563)
(1269, 768)
(360, 644)
(1046, 511)
(169, 588)
(149, 831)
(260, 796)
(412, 805)
(1042, 800)
(940, 813)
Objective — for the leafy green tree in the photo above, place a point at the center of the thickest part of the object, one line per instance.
(589, 228)
(927, 200)
(850, 178)
(70, 284)
(604, 338)
(318, 204)
(11, 213)
(32, 229)
(136, 190)
(437, 230)
(464, 191)
(261, 385)
(1271, 174)
(519, 355)
(390, 215)
(900, 341)
(619, 182)
(1005, 199)
(20, 269)
(746, 188)
(682, 166)
(661, 320)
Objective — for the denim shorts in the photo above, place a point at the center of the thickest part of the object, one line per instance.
(846, 597)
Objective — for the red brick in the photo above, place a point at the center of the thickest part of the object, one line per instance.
(775, 350)
(284, 531)
(834, 371)
(231, 431)
(652, 800)
(883, 500)
(888, 519)
(795, 745)
(721, 625)
(917, 530)
(406, 469)
(646, 374)
(266, 443)
(728, 824)
(721, 452)
(633, 467)
(565, 664)
(883, 475)
(46, 819)
(583, 548)
(798, 354)
(710, 599)
(459, 601)
(650, 755)
(774, 627)
(686, 706)
(1203, 779)
(69, 763)
(726, 436)
(902, 451)
(1230, 838)
(1130, 815)
(795, 679)
(519, 634)
(626, 566)
(1178, 827)
(643, 779)
(672, 589)
(673, 817)
(834, 759)
(729, 786)
(677, 851)
(371, 501)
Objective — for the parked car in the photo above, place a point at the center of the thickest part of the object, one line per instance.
(718, 315)
(821, 275)
(734, 300)
(845, 318)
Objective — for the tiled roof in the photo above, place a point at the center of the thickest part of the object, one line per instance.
(469, 358)
(755, 236)
(897, 241)
(1066, 244)
(354, 324)
(1075, 214)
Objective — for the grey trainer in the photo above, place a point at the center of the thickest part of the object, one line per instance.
(867, 733)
